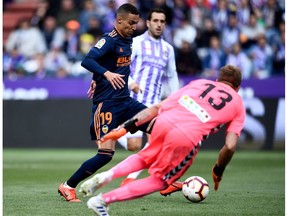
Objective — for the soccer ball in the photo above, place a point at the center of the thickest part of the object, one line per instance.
(195, 189)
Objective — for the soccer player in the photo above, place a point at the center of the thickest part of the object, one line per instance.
(183, 120)
(152, 60)
(109, 61)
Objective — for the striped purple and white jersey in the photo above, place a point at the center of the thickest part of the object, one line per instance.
(152, 61)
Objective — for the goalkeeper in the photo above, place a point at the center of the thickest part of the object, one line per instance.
(183, 120)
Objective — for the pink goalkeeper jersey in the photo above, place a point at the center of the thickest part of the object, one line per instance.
(203, 105)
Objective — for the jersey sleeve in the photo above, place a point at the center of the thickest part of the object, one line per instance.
(237, 124)
(102, 47)
(171, 72)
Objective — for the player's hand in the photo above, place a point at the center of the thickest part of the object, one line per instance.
(91, 89)
(115, 134)
(135, 88)
(115, 79)
(217, 174)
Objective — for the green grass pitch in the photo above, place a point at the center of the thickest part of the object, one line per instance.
(253, 184)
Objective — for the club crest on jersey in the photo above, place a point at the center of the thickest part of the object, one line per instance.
(105, 129)
(165, 53)
(100, 43)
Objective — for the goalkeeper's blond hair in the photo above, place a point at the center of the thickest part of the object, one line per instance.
(231, 75)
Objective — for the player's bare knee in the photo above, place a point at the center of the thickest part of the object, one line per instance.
(134, 144)
(134, 147)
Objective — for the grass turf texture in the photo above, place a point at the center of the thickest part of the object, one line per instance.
(253, 184)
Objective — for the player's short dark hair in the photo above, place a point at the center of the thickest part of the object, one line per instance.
(127, 8)
(155, 10)
(230, 74)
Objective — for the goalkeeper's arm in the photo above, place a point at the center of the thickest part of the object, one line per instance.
(225, 155)
(140, 118)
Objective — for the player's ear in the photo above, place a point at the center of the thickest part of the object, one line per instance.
(119, 19)
(147, 23)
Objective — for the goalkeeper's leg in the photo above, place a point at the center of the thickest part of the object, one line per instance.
(135, 189)
(131, 142)
(130, 164)
(132, 176)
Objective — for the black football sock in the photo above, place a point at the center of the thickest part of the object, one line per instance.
(90, 166)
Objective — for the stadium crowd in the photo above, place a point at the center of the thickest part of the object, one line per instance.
(206, 35)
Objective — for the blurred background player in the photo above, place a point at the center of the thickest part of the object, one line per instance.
(184, 119)
(109, 61)
(152, 60)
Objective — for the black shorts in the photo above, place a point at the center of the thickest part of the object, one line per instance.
(109, 114)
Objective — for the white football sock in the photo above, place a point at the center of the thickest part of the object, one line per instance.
(123, 142)
(66, 185)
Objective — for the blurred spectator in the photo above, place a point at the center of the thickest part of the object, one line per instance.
(250, 32)
(187, 60)
(34, 67)
(94, 28)
(244, 10)
(56, 63)
(184, 32)
(71, 42)
(241, 60)
(167, 8)
(13, 65)
(26, 40)
(86, 13)
(44, 9)
(279, 56)
(230, 34)
(54, 36)
(272, 15)
(67, 12)
(180, 10)
(144, 7)
(109, 16)
(27, 45)
(261, 55)
(258, 3)
(214, 60)
(86, 42)
(209, 4)
(204, 36)
(198, 13)
(220, 14)
(101, 7)
(133, 2)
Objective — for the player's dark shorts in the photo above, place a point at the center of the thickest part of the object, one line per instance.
(109, 114)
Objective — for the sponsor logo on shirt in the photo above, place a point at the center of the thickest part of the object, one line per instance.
(123, 61)
(195, 108)
(100, 43)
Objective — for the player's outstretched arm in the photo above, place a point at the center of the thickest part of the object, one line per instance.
(225, 155)
(139, 119)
